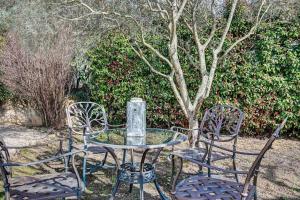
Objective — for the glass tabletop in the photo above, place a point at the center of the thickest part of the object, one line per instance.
(155, 138)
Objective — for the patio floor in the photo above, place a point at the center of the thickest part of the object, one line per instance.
(279, 178)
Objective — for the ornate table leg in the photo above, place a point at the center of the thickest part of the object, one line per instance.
(173, 168)
(160, 192)
(131, 160)
(177, 175)
(141, 187)
(116, 187)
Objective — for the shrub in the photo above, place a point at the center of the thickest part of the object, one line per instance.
(43, 77)
(262, 81)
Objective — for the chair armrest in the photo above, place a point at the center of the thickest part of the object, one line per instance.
(227, 171)
(38, 162)
(229, 150)
(184, 129)
(116, 125)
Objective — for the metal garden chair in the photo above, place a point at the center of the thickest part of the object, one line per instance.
(87, 118)
(38, 187)
(220, 124)
(208, 188)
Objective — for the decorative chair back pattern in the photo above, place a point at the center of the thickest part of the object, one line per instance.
(221, 121)
(88, 116)
(254, 169)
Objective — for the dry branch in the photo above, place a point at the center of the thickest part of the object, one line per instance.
(44, 77)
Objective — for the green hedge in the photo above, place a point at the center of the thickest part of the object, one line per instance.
(261, 77)
(264, 81)
(116, 75)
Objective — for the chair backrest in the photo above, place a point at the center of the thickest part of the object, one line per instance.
(4, 158)
(86, 115)
(221, 121)
(256, 164)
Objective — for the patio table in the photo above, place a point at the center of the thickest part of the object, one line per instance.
(140, 172)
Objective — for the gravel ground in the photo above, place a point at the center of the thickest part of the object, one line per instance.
(279, 178)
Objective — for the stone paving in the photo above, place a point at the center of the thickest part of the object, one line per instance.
(16, 137)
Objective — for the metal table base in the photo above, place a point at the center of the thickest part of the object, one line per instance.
(130, 173)
(137, 173)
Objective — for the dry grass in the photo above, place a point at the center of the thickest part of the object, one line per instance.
(279, 178)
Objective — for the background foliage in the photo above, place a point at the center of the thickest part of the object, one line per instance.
(4, 93)
(117, 74)
(262, 77)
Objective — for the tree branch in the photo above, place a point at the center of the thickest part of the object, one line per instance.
(201, 91)
(187, 53)
(178, 96)
(181, 8)
(211, 73)
(156, 52)
(228, 24)
(141, 55)
(164, 14)
(214, 26)
(251, 31)
(88, 7)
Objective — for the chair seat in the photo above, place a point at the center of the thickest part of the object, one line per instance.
(197, 154)
(205, 188)
(42, 187)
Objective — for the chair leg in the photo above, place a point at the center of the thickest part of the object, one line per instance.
(177, 175)
(255, 184)
(60, 148)
(78, 195)
(209, 171)
(173, 168)
(235, 169)
(84, 172)
(130, 187)
(200, 170)
(104, 159)
(70, 147)
(255, 195)
(141, 187)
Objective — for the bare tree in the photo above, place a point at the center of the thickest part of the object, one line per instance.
(43, 77)
(208, 29)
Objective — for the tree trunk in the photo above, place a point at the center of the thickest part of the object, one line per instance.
(193, 134)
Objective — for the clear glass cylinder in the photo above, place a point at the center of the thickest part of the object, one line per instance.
(136, 117)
